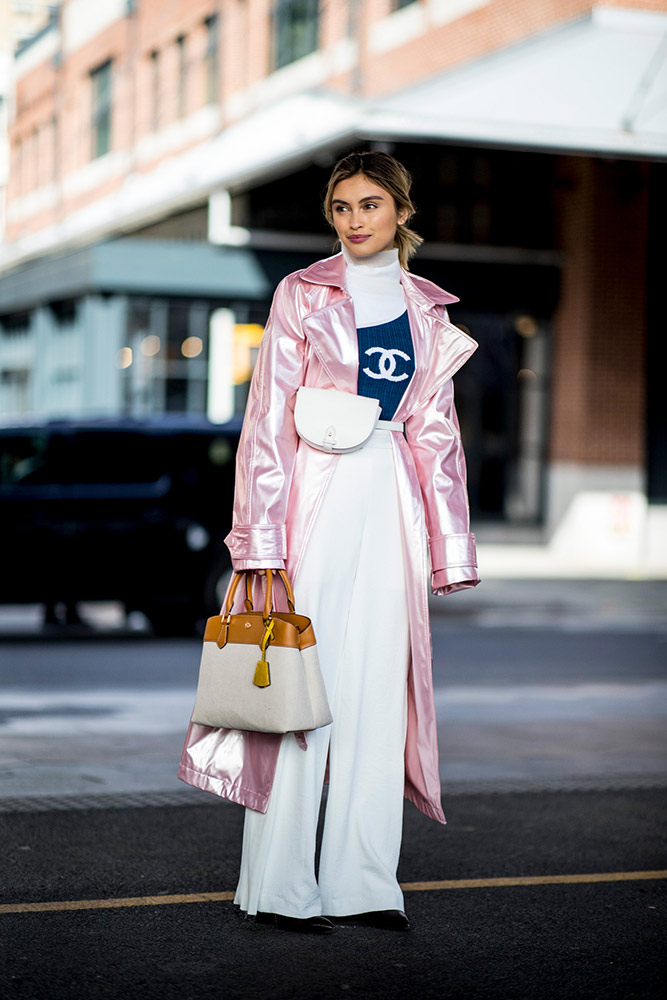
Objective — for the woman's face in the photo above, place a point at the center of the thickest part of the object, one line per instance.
(364, 216)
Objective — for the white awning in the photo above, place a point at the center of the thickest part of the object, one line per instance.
(595, 85)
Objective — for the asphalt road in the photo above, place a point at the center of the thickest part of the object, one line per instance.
(553, 750)
(529, 942)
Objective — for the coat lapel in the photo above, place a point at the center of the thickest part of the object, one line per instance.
(330, 326)
(440, 347)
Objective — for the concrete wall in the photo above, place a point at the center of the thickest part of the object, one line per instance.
(72, 367)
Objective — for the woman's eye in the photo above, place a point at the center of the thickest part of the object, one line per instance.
(340, 208)
(370, 204)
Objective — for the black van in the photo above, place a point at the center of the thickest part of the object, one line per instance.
(120, 509)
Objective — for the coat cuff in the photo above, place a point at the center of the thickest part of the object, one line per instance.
(454, 563)
(449, 581)
(239, 565)
(257, 546)
(452, 550)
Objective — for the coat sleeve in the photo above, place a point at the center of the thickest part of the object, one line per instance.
(434, 439)
(267, 447)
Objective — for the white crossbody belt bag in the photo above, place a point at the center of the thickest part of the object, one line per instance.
(333, 421)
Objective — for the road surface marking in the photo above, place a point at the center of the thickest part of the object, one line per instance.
(492, 883)
(112, 904)
(225, 897)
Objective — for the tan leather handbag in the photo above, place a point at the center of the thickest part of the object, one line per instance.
(259, 669)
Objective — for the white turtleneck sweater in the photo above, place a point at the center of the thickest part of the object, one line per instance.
(374, 284)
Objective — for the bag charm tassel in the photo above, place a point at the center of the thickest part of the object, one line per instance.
(262, 678)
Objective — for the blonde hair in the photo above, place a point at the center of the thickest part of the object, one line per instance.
(390, 175)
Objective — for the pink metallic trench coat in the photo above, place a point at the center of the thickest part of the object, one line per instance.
(311, 339)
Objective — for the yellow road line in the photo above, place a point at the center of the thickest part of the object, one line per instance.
(111, 904)
(225, 897)
(492, 883)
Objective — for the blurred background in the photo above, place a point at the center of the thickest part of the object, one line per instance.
(162, 164)
(161, 168)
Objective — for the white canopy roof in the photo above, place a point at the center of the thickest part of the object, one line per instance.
(597, 85)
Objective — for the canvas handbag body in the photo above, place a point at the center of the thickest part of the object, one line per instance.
(259, 670)
(333, 421)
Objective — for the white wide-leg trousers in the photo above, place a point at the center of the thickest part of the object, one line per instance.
(352, 586)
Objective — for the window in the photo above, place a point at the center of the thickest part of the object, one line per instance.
(15, 324)
(18, 166)
(182, 92)
(212, 59)
(164, 362)
(22, 456)
(64, 313)
(34, 159)
(155, 91)
(100, 79)
(14, 391)
(295, 30)
(54, 148)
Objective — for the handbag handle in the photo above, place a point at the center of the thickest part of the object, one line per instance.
(268, 600)
(288, 589)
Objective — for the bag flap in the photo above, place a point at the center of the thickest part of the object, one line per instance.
(328, 418)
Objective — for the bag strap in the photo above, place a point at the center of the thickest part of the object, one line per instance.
(268, 599)
(288, 589)
(248, 593)
(268, 595)
(231, 593)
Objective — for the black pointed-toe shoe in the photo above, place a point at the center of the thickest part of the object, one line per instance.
(309, 925)
(390, 920)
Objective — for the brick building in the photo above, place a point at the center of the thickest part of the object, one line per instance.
(19, 21)
(167, 160)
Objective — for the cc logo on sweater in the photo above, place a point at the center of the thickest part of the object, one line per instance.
(387, 363)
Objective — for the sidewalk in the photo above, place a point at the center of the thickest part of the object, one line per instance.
(613, 605)
(577, 603)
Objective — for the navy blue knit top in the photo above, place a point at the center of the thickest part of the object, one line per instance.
(386, 363)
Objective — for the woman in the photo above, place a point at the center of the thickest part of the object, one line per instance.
(354, 532)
